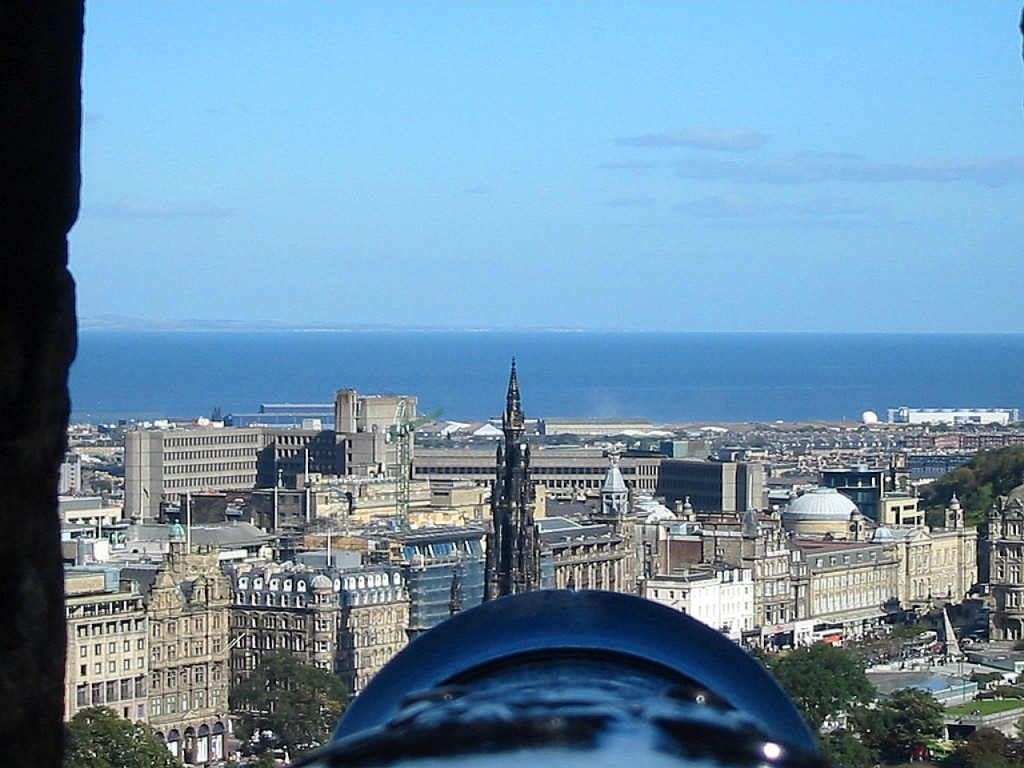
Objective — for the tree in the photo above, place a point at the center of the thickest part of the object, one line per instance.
(824, 681)
(296, 702)
(98, 738)
(985, 748)
(902, 722)
(844, 750)
(978, 483)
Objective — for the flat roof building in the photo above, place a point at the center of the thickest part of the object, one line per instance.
(905, 415)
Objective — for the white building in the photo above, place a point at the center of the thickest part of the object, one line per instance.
(722, 598)
(905, 415)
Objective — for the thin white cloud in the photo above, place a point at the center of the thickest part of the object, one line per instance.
(642, 201)
(150, 208)
(636, 166)
(750, 211)
(479, 189)
(814, 168)
(725, 207)
(718, 139)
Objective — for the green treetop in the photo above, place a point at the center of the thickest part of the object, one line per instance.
(297, 702)
(98, 738)
(824, 681)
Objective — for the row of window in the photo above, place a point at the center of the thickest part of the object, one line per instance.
(215, 453)
(97, 694)
(217, 466)
(210, 481)
(194, 675)
(220, 439)
(111, 666)
(188, 648)
(169, 704)
(270, 621)
(97, 649)
(189, 625)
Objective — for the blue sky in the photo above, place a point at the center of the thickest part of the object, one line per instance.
(659, 166)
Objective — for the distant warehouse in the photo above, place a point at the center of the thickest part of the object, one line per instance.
(906, 415)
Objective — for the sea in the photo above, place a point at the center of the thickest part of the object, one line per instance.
(669, 378)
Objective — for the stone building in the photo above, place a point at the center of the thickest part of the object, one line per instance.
(187, 603)
(600, 553)
(844, 583)
(349, 622)
(373, 623)
(1005, 561)
(560, 470)
(107, 643)
(935, 563)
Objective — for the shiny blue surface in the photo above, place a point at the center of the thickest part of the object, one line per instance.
(586, 621)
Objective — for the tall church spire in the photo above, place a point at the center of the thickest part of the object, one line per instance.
(513, 418)
(513, 552)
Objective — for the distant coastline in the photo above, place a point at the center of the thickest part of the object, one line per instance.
(668, 378)
(113, 323)
(137, 325)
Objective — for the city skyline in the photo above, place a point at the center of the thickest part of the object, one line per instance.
(691, 167)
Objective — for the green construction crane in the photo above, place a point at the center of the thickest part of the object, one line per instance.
(400, 434)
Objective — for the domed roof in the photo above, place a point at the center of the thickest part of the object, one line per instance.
(883, 534)
(321, 582)
(820, 504)
(652, 512)
(1017, 494)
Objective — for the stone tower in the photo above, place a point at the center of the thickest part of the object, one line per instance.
(513, 548)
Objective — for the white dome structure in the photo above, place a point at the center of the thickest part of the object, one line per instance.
(652, 512)
(869, 417)
(819, 512)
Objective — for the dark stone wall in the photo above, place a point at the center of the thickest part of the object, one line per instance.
(40, 125)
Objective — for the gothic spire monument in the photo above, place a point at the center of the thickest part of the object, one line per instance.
(513, 548)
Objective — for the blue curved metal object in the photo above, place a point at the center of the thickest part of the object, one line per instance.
(564, 623)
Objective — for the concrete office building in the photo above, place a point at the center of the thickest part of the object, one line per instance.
(712, 486)
(595, 427)
(561, 470)
(69, 478)
(864, 485)
(165, 465)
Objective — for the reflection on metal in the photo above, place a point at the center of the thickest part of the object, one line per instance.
(559, 678)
